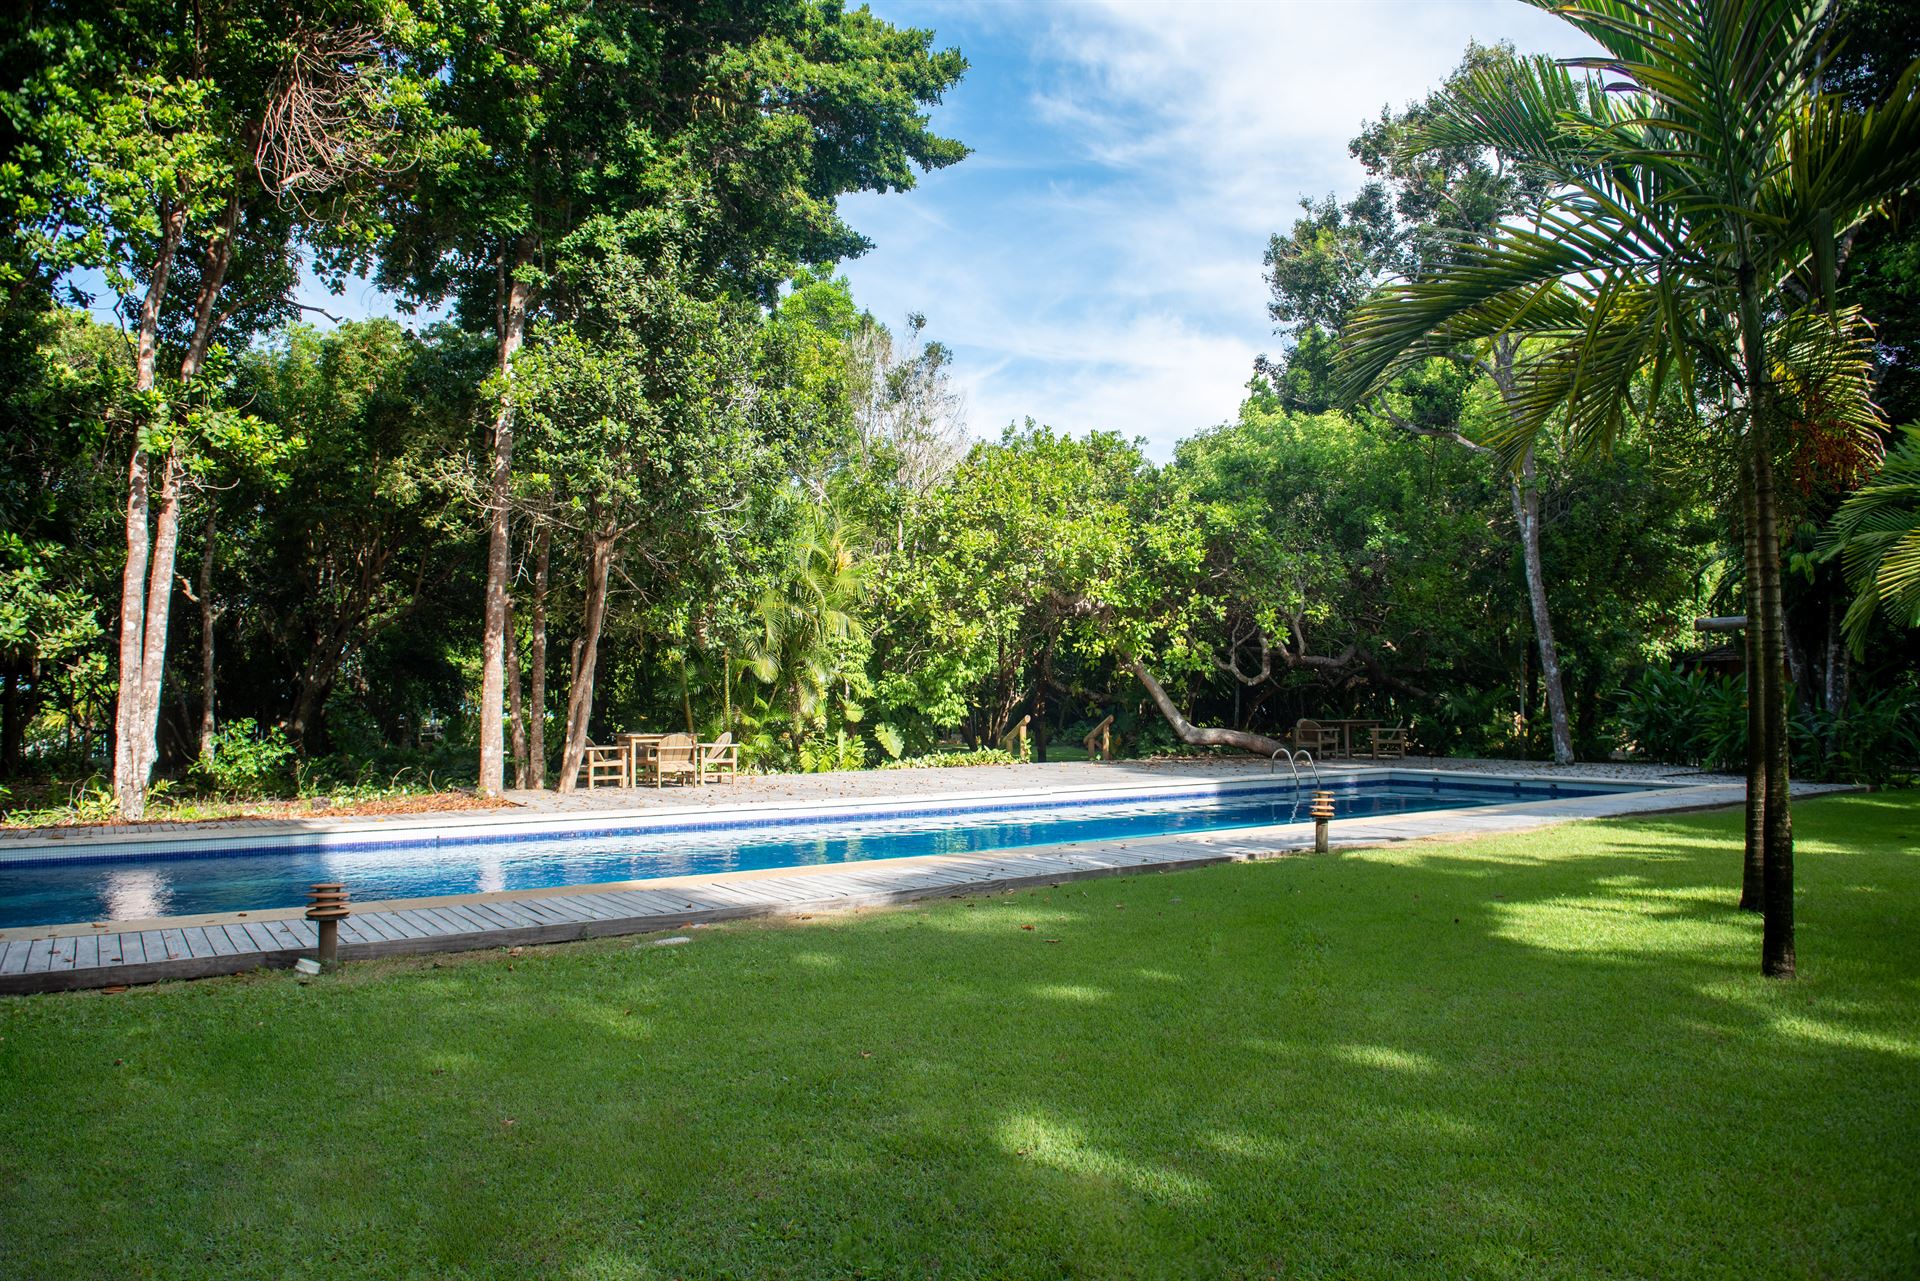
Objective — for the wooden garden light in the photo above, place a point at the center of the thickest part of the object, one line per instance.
(1322, 811)
(327, 907)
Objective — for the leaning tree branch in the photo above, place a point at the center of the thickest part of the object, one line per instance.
(1200, 735)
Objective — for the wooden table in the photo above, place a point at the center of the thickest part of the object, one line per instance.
(639, 752)
(1348, 727)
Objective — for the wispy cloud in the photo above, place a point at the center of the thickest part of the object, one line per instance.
(1096, 264)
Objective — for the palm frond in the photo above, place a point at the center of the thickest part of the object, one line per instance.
(1876, 533)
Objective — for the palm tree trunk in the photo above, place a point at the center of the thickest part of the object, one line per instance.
(1776, 945)
(1754, 860)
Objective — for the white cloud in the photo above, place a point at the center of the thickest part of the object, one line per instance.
(1097, 262)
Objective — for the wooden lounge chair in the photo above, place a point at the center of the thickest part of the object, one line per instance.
(1312, 736)
(719, 759)
(675, 755)
(1390, 741)
(605, 767)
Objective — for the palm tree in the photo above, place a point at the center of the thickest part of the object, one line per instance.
(1876, 533)
(806, 619)
(1705, 192)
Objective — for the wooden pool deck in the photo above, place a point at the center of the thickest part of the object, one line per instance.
(108, 954)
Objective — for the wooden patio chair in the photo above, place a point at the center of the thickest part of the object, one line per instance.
(605, 767)
(719, 759)
(1312, 736)
(675, 755)
(1389, 741)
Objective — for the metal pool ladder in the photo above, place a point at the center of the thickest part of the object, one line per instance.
(1293, 759)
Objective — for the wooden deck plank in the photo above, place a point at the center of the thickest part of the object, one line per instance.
(222, 945)
(86, 954)
(470, 924)
(61, 957)
(286, 936)
(13, 957)
(198, 944)
(39, 956)
(126, 946)
(261, 937)
(443, 922)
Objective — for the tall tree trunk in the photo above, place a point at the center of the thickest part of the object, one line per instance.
(1753, 869)
(1197, 735)
(1525, 493)
(537, 687)
(208, 616)
(686, 695)
(12, 723)
(129, 762)
(580, 694)
(1839, 660)
(1777, 952)
(516, 710)
(1777, 959)
(511, 327)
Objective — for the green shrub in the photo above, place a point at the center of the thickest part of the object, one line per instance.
(1695, 719)
(823, 753)
(940, 760)
(246, 761)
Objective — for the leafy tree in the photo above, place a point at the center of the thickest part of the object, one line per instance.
(1702, 182)
(1423, 205)
(739, 124)
(368, 522)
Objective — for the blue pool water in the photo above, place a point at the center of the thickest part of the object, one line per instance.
(136, 888)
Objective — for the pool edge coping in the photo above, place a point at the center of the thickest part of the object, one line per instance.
(1183, 850)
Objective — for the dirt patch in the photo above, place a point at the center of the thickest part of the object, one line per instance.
(196, 813)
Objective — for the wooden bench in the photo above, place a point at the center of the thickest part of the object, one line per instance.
(1389, 742)
(718, 759)
(605, 767)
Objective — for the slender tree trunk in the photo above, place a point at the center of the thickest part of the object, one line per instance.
(129, 762)
(511, 328)
(1197, 735)
(1753, 869)
(1777, 958)
(537, 688)
(1526, 513)
(12, 723)
(580, 694)
(516, 710)
(208, 615)
(1839, 680)
(686, 696)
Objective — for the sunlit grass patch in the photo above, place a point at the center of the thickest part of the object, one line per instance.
(1542, 1055)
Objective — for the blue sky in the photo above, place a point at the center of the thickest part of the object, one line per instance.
(1096, 262)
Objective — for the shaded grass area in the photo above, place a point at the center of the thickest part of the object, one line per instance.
(1548, 1055)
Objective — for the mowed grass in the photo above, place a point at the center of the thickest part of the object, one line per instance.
(1548, 1055)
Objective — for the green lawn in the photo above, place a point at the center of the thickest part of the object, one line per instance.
(1543, 1056)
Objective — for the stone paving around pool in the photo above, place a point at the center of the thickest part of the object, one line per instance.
(48, 958)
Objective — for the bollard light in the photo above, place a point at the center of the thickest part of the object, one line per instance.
(1322, 811)
(327, 907)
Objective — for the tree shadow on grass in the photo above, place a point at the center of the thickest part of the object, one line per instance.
(1546, 1055)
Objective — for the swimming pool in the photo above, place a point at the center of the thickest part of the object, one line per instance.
(200, 878)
